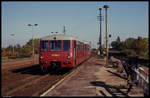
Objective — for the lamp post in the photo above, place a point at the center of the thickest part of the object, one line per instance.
(13, 45)
(32, 38)
(106, 6)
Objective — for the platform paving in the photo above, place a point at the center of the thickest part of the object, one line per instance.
(93, 78)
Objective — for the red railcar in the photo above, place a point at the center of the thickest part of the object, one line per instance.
(61, 51)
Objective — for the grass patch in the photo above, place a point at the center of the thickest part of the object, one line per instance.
(6, 59)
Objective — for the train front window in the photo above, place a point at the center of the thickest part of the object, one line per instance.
(55, 45)
(66, 45)
(44, 45)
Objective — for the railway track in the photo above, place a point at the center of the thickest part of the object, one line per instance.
(18, 65)
(29, 80)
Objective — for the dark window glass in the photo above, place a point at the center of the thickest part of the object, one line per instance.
(55, 45)
(44, 45)
(66, 45)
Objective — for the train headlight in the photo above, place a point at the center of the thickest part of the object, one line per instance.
(68, 57)
(41, 57)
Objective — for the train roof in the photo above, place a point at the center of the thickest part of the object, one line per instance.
(61, 37)
(86, 42)
(58, 37)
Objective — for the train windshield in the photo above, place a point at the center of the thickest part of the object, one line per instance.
(55, 45)
(66, 45)
(44, 45)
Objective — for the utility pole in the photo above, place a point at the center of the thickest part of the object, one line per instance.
(13, 45)
(100, 41)
(64, 31)
(106, 6)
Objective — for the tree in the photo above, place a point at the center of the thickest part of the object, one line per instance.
(36, 44)
(138, 47)
(118, 39)
(116, 44)
(9, 53)
(9, 50)
(130, 43)
(4, 52)
(10, 47)
(142, 47)
(17, 50)
(26, 50)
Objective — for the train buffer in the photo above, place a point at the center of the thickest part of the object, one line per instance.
(92, 78)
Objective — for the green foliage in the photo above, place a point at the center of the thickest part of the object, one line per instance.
(132, 46)
(116, 44)
(36, 44)
(142, 47)
(130, 43)
(129, 52)
(122, 45)
(10, 47)
(25, 50)
(118, 39)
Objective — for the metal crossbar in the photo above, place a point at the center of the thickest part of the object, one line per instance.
(144, 83)
(138, 73)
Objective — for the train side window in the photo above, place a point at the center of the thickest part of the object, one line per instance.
(66, 45)
(44, 45)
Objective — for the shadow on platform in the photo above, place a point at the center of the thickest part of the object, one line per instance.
(98, 64)
(116, 74)
(108, 66)
(115, 91)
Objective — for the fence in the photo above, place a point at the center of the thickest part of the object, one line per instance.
(142, 79)
(139, 75)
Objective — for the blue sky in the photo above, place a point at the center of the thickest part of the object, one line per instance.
(125, 19)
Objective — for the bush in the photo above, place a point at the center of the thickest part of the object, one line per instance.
(129, 52)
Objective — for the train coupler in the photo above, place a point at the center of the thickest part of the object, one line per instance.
(44, 69)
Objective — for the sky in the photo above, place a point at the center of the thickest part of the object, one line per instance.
(125, 19)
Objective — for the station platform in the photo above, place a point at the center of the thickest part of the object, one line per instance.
(94, 78)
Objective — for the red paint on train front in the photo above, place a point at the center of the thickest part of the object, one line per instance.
(65, 58)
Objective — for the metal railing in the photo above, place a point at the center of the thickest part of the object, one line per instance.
(142, 80)
(138, 74)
